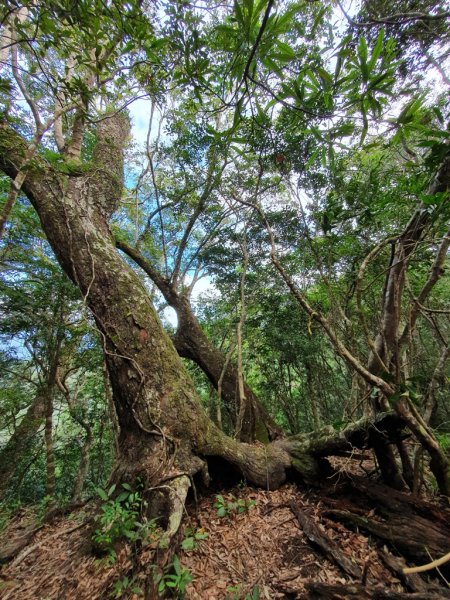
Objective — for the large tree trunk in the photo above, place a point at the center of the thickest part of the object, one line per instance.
(191, 342)
(163, 429)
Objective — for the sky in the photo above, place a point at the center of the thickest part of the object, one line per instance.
(140, 115)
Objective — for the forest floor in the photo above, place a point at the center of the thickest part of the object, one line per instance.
(262, 544)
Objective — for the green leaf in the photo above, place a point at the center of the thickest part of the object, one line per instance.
(102, 494)
(311, 76)
(111, 490)
(410, 110)
(284, 50)
(326, 78)
(176, 565)
(362, 55)
(188, 544)
(271, 65)
(438, 114)
(255, 593)
(121, 497)
(312, 158)
(376, 53)
(318, 19)
(238, 14)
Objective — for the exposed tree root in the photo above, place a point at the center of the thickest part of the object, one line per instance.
(16, 545)
(34, 547)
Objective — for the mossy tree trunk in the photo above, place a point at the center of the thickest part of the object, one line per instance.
(163, 429)
(191, 342)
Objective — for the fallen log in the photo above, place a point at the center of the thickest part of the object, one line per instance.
(328, 546)
(396, 564)
(412, 535)
(397, 501)
(324, 591)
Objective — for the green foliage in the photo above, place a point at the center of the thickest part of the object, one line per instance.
(119, 519)
(234, 593)
(228, 508)
(174, 582)
(124, 585)
(444, 440)
(191, 539)
(46, 324)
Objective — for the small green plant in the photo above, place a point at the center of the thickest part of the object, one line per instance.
(119, 519)
(234, 593)
(126, 584)
(226, 508)
(175, 580)
(444, 440)
(254, 594)
(43, 507)
(192, 538)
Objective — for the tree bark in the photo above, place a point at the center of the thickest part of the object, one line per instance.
(191, 342)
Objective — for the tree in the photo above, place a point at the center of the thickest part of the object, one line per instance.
(75, 185)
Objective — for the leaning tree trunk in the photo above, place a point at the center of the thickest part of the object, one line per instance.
(191, 342)
(163, 429)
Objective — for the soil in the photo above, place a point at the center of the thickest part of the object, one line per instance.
(257, 549)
